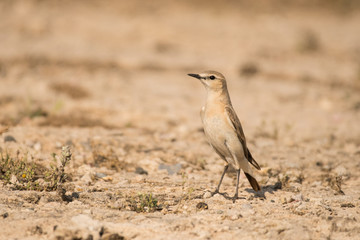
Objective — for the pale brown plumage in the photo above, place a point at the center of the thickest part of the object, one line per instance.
(240, 133)
(223, 129)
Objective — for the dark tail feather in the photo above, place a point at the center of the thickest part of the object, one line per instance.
(254, 184)
(252, 161)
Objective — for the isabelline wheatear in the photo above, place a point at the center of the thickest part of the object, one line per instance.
(223, 129)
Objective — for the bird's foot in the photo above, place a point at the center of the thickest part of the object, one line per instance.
(235, 197)
(215, 192)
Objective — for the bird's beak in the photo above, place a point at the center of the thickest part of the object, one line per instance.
(194, 75)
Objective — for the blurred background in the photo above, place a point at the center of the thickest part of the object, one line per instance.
(114, 63)
(110, 63)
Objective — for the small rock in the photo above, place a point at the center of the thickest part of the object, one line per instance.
(5, 215)
(37, 146)
(37, 230)
(202, 206)
(277, 185)
(300, 209)
(326, 168)
(207, 195)
(247, 206)
(235, 216)
(9, 138)
(100, 175)
(75, 195)
(141, 171)
(283, 200)
(341, 171)
(347, 205)
(107, 179)
(116, 205)
(165, 210)
(14, 180)
(298, 198)
(171, 169)
(86, 178)
(218, 197)
(319, 164)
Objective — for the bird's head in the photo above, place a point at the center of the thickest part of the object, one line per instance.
(212, 80)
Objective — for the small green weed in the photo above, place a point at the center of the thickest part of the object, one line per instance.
(56, 175)
(23, 175)
(17, 171)
(143, 203)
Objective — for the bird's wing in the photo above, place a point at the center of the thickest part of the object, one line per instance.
(240, 134)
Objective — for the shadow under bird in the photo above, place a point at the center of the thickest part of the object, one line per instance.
(223, 129)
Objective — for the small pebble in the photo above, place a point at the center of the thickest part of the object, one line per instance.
(140, 170)
(235, 216)
(75, 195)
(298, 198)
(247, 206)
(207, 195)
(171, 169)
(14, 180)
(347, 205)
(341, 171)
(37, 146)
(283, 200)
(9, 138)
(86, 178)
(107, 179)
(100, 175)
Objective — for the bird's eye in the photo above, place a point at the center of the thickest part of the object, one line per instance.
(212, 77)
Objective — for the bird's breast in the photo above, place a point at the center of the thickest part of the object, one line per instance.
(214, 118)
(216, 129)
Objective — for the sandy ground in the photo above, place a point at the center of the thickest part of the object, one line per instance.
(109, 79)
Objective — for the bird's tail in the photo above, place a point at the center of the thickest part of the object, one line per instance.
(254, 184)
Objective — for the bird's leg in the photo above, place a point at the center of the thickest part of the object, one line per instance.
(237, 185)
(222, 176)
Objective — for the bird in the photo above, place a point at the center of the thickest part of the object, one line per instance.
(223, 129)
